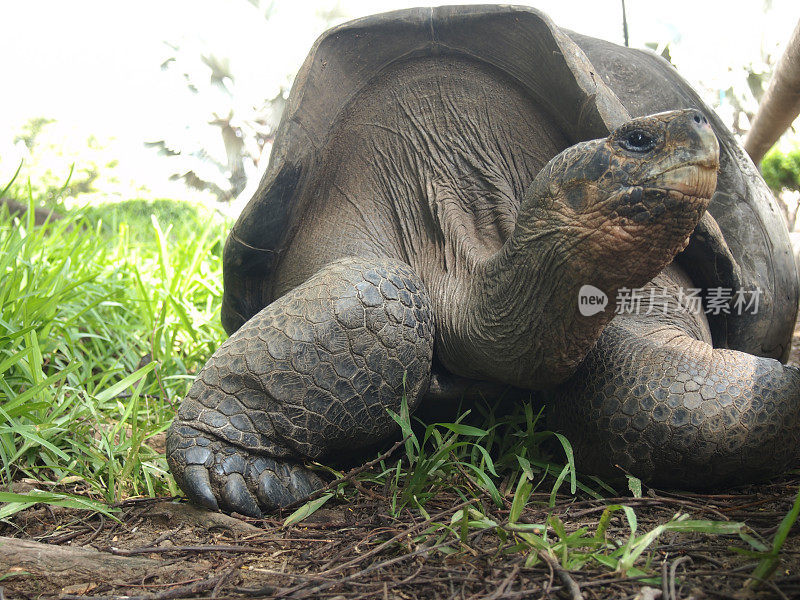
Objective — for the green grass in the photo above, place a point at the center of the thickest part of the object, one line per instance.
(493, 472)
(101, 329)
(106, 315)
(185, 220)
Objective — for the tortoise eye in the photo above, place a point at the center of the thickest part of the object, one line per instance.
(637, 141)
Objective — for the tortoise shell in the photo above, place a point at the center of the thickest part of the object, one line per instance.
(586, 85)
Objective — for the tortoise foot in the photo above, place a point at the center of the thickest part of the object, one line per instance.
(310, 376)
(221, 476)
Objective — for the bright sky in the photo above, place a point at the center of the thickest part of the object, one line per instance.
(94, 64)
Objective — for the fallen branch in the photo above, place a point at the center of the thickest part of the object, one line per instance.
(192, 549)
(192, 516)
(75, 565)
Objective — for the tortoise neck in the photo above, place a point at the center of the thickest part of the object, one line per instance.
(527, 302)
(521, 324)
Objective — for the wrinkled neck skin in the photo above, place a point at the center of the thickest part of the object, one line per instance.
(521, 324)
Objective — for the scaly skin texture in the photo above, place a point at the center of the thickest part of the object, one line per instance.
(654, 399)
(310, 375)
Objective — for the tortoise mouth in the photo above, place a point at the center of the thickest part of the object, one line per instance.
(693, 180)
(654, 201)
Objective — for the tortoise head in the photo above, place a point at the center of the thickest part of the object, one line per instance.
(635, 197)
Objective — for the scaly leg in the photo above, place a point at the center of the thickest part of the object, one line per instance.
(654, 397)
(310, 375)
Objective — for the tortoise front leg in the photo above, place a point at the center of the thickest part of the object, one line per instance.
(656, 399)
(310, 375)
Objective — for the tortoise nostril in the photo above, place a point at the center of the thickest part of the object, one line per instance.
(699, 118)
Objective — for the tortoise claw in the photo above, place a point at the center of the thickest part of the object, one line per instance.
(219, 476)
(271, 491)
(304, 482)
(236, 497)
(198, 486)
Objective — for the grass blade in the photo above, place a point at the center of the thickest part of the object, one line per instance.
(306, 510)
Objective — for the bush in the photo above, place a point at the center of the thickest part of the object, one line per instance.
(782, 171)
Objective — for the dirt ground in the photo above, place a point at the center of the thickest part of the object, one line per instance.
(165, 549)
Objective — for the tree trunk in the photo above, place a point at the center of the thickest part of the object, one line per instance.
(780, 104)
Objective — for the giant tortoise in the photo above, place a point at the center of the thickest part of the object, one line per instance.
(444, 187)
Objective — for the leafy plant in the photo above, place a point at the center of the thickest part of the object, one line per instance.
(781, 171)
